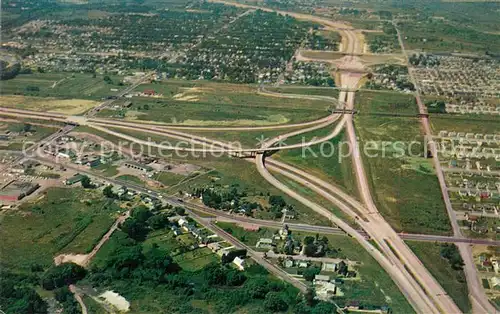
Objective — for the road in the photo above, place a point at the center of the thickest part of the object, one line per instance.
(479, 300)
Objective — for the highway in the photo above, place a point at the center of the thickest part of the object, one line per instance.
(413, 279)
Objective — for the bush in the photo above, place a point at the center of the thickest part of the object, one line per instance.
(62, 275)
(274, 302)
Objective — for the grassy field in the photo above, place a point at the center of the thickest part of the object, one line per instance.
(315, 91)
(169, 178)
(245, 138)
(436, 35)
(49, 104)
(452, 281)
(313, 196)
(324, 160)
(385, 102)
(23, 140)
(61, 85)
(63, 221)
(459, 123)
(196, 259)
(205, 103)
(404, 186)
(131, 179)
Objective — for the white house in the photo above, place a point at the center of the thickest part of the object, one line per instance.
(239, 262)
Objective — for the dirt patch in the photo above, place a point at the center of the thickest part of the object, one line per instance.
(79, 259)
(116, 300)
(184, 97)
(184, 169)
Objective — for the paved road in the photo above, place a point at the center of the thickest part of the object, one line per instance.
(480, 302)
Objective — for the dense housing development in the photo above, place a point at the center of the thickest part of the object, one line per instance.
(192, 156)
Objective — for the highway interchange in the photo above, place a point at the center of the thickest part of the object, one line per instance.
(415, 282)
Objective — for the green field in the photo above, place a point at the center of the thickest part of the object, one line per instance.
(24, 141)
(324, 160)
(245, 138)
(315, 91)
(170, 178)
(205, 103)
(131, 179)
(452, 281)
(196, 259)
(459, 123)
(63, 221)
(385, 102)
(62, 85)
(404, 186)
(435, 35)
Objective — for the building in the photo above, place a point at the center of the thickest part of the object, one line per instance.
(239, 262)
(265, 243)
(214, 246)
(494, 263)
(288, 263)
(321, 278)
(325, 290)
(495, 283)
(138, 166)
(17, 190)
(74, 179)
(330, 267)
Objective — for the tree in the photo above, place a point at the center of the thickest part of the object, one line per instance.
(27, 127)
(86, 182)
(235, 278)
(108, 192)
(159, 221)
(107, 79)
(274, 302)
(135, 229)
(181, 211)
(277, 200)
(310, 272)
(62, 275)
(141, 214)
(257, 288)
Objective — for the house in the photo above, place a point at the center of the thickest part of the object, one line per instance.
(239, 262)
(495, 283)
(494, 263)
(176, 230)
(284, 232)
(181, 222)
(325, 290)
(288, 263)
(330, 267)
(265, 243)
(214, 246)
(149, 92)
(321, 278)
(303, 264)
